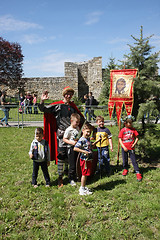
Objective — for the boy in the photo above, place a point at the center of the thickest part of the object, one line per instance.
(104, 134)
(128, 137)
(69, 137)
(40, 154)
(84, 147)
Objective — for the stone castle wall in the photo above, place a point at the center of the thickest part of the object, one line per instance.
(54, 85)
(82, 77)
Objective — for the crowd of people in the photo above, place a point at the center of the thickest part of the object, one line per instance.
(67, 135)
(26, 102)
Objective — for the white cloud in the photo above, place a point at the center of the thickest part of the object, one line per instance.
(93, 17)
(8, 23)
(33, 38)
(51, 64)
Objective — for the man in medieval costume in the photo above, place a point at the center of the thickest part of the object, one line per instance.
(56, 120)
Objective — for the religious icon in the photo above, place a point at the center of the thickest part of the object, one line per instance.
(120, 86)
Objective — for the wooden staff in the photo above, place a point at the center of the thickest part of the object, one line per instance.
(119, 125)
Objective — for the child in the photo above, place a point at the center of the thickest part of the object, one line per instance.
(103, 133)
(69, 137)
(40, 154)
(128, 137)
(84, 147)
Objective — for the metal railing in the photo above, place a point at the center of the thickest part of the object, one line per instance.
(21, 116)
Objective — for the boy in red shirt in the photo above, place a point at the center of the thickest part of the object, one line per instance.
(128, 137)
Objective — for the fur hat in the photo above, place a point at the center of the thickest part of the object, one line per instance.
(67, 89)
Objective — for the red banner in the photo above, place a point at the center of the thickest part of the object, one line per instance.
(118, 110)
(110, 108)
(121, 91)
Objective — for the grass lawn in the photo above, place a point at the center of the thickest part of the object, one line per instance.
(120, 207)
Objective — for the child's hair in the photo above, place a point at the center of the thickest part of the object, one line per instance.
(75, 115)
(87, 126)
(128, 120)
(39, 129)
(99, 118)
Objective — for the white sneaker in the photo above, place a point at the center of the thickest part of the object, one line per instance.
(88, 192)
(72, 182)
(82, 191)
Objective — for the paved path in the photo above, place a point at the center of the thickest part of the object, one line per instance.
(40, 123)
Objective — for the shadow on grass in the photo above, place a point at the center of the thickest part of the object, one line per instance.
(109, 185)
(147, 169)
(55, 182)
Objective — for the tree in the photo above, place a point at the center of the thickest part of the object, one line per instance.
(10, 63)
(104, 96)
(147, 84)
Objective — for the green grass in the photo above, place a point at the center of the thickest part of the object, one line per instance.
(120, 208)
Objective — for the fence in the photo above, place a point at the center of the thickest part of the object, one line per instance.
(23, 116)
(32, 116)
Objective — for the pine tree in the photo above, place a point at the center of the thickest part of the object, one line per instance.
(147, 84)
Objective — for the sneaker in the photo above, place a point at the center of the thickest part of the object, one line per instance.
(60, 182)
(139, 177)
(72, 182)
(82, 191)
(88, 191)
(125, 172)
(47, 185)
(35, 186)
(1, 123)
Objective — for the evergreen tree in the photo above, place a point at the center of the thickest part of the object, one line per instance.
(147, 84)
(104, 96)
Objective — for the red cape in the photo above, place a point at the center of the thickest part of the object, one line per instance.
(50, 129)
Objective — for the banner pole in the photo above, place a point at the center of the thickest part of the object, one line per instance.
(119, 127)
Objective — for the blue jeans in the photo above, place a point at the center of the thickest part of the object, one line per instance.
(132, 156)
(6, 113)
(85, 112)
(103, 158)
(44, 168)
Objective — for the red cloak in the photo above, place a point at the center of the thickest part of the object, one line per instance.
(50, 129)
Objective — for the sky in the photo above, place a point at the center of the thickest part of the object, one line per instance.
(52, 32)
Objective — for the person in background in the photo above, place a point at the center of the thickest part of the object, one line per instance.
(21, 99)
(5, 109)
(30, 102)
(91, 103)
(86, 111)
(35, 103)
